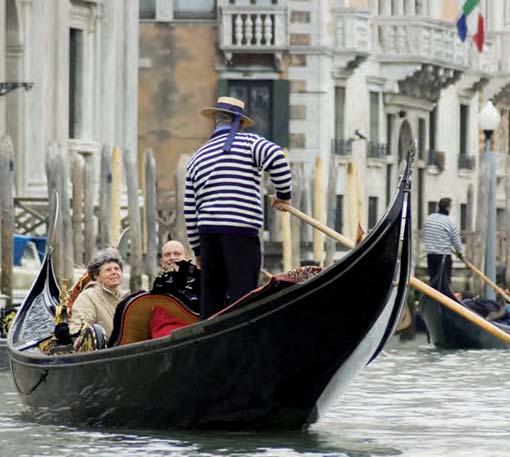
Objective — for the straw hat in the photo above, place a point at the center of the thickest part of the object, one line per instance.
(228, 105)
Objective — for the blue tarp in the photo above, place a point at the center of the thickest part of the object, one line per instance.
(20, 243)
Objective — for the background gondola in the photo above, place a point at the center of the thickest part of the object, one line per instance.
(449, 330)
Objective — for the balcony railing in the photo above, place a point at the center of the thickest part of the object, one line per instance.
(257, 27)
(352, 30)
(499, 45)
(342, 147)
(376, 150)
(466, 162)
(419, 39)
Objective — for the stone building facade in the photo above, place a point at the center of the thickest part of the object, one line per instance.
(346, 80)
(82, 58)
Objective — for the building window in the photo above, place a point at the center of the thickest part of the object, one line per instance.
(196, 9)
(75, 82)
(389, 183)
(421, 192)
(420, 8)
(267, 102)
(374, 117)
(421, 138)
(390, 120)
(339, 113)
(463, 216)
(500, 220)
(432, 129)
(372, 211)
(464, 113)
(258, 103)
(339, 216)
(147, 9)
(431, 207)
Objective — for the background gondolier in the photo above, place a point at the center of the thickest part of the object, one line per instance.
(441, 235)
(222, 204)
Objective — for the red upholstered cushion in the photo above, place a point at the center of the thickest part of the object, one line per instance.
(163, 323)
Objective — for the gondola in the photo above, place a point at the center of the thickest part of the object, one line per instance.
(275, 359)
(448, 329)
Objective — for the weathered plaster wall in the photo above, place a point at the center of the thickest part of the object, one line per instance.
(177, 78)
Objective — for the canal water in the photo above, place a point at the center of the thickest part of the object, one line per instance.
(413, 401)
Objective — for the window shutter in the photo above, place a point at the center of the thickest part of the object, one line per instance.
(281, 112)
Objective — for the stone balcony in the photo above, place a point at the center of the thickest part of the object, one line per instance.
(500, 69)
(352, 40)
(253, 28)
(480, 67)
(419, 55)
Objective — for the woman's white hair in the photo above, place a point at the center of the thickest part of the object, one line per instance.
(100, 258)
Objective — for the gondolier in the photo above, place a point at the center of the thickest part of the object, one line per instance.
(222, 204)
(441, 235)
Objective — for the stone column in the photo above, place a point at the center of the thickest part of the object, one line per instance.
(130, 72)
(27, 141)
(108, 99)
(425, 8)
(411, 7)
(385, 7)
(398, 7)
(60, 73)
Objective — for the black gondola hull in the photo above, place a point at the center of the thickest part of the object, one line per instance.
(278, 362)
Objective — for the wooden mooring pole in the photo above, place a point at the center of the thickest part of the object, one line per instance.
(151, 216)
(135, 280)
(6, 214)
(78, 166)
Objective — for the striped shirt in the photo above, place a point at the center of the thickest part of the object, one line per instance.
(441, 234)
(223, 188)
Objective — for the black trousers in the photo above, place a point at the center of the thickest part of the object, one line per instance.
(230, 267)
(434, 265)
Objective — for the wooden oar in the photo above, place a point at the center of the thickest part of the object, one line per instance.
(485, 278)
(414, 282)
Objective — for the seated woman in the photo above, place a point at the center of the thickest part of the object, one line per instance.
(96, 304)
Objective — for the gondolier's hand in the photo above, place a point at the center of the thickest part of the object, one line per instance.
(277, 203)
(198, 261)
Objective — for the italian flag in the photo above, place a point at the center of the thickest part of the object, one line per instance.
(466, 17)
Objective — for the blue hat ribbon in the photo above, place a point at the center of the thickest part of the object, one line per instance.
(236, 123)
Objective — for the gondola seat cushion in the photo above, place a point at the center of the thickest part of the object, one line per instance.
(132, 321)
(163, 323)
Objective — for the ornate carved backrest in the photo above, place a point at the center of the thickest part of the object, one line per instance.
(76, 289)
(132, 318)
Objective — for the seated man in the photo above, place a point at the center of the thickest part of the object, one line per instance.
(171, 252)
(179, 276)
(96, 304)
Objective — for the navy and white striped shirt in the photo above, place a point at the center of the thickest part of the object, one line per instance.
(223, 188)
(441, 234)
